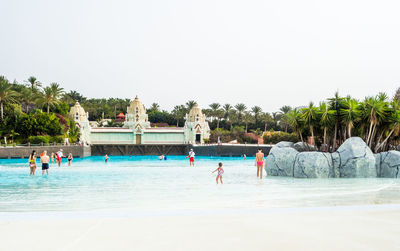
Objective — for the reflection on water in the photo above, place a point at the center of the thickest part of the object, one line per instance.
(141, 183)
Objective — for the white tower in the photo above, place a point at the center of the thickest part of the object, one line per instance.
(196, 127)
(78, 114)
(136, 117)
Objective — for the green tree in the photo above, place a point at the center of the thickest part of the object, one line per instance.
(190, 104)
(374, 110)
(295, 120)
(310, 117)
(7, 95)
(214, 110)
(256, 110)
(240, 108)
(34, 84)
(335, 104)
(326, 119)
(350, 113)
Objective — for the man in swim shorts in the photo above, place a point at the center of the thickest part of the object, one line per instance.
(45, 159)
(260, 162)
(191, 157)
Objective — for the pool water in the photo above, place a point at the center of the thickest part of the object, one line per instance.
(145, 183)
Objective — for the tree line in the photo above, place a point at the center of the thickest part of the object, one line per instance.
(327, 125)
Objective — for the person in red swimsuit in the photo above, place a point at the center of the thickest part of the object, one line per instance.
(260, 162)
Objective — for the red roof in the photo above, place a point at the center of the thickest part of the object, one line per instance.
(121, 115)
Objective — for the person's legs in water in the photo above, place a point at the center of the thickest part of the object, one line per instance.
(220, 178)
(217, 179)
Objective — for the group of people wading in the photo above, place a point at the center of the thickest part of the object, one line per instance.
(46, 159)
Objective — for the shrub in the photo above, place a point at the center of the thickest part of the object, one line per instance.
(276, 137)
(57, 139)
(39, 139)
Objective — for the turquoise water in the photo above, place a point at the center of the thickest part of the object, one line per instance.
(145, 183)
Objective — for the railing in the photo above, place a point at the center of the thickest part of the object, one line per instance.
(41, 144)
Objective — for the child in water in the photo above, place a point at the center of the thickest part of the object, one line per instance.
(220, 172)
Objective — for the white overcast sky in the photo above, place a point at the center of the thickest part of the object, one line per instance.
(266, 53)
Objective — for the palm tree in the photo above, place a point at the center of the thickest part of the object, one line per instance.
(248, 118)
(241, 108)
(51, 95)
(283, 119)
(214, 109)
(350, 113)
(219, 114)
(256, 111)
(34, 83)
(227, 109)
(394, 119)
(266, 118)
(27, 97)
(310, 118)
(326, 119)
(190, 104)
(285, 109)
(335, 104)
(295, 120)
(179, 113)
(7, 95)
(374, 110)
(155, 107)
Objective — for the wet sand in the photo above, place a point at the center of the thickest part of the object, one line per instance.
(336, 228)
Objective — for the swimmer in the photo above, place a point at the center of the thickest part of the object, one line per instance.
(260, 161)
(106, 158)
(70, 158)
(220, 171)
(45, 159)
(32, 162)
(191, 157)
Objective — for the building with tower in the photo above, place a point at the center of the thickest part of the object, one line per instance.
(137, 130)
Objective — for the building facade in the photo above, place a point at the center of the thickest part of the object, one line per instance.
(137, 128)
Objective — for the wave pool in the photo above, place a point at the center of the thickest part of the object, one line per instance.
(145, 183)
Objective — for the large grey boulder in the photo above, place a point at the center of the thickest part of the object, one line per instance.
(388, 164)
(313, 165)
(304, 147)
(356, 159)
(283, 144)
(280, 161)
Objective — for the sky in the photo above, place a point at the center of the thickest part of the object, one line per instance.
(257, 52)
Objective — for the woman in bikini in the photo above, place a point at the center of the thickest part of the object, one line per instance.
(220, 171)
(70, 158)
(32, 162)
(260, 163)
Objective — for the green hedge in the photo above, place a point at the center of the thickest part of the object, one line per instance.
(46, 139)
(277, 137)
(39, 139)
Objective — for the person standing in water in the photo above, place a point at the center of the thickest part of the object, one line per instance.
(191, 157)
(45, 159)
(106, 158)
(32, 162)
(260, 160)
(70, 158)
(220, 171)
(52, 158)
(59, 156)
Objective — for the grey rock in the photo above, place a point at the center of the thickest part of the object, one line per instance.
(303, 147)
(313, 165)
(388, 164)
(283, 144)
(356, 159)
(336, 161)
(280, 161)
